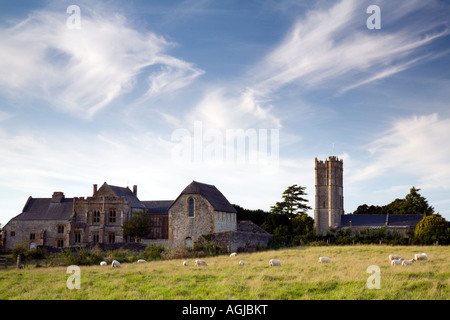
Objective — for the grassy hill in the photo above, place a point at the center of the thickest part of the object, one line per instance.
(299, 277)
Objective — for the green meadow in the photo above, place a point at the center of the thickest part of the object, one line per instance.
(301, 276)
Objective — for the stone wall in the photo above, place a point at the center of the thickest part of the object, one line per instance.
(181, 226)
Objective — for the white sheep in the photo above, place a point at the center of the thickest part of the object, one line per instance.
(396, 262)
(394, 257)
(115, 264)
(421, 256)
(273, 263)
(324, 259)
(185, 263)
(234, 254)
(408, 262)
(103, 263)
(141, 261)
(200, 263)
(241, 263)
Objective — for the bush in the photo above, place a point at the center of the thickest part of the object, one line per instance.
(152, 252)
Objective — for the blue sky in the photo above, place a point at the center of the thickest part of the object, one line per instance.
(145, 92)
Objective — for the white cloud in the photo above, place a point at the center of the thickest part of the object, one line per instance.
(81, 71)
(417, 146)
(332, 47)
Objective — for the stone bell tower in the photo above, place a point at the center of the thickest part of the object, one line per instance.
(329, 204)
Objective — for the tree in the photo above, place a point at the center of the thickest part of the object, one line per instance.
(256, 216)
(293, 203)
(431, 229)
(413, 203)
(139, 225)
(302, 224)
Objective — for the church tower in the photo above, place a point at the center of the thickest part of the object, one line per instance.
(329, 205)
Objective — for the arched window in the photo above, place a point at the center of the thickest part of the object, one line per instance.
(188, 242)
(191, 208)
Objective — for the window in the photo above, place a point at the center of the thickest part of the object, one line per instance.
(95, 237)
(60, 243)
(32, 236)
(191, 208)
(111, 237)
(13, 234)
(112, 216)
(60, 229)
(96, 218)
(77, 236)
(188, 242)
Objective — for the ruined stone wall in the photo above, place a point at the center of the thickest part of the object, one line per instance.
(224, 221)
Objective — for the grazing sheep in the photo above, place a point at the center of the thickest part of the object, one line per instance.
(234, 254)
(141, 261)
(115, 264)
(394, 257)
(396, 262)
(200, 263)
(421, 256)
(408, 262)
(324, 260)
(273, 263)
(185, 263)
(241, 263)
(103, 263)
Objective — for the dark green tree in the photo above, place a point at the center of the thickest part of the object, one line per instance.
(139, 225)
(430, 229)
(293, 202)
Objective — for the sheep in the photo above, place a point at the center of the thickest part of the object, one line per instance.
(396, 262)
(408, 262)
(421, 256)
(200, 263)
(241, 263)
(115, 264)
(141, 261)
(273, 263)
(324, 259)
(185, 263)
(103, 263)
(234, 254)
(394, 257)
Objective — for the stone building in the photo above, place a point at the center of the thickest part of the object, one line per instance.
(78, 222)
(329, 204)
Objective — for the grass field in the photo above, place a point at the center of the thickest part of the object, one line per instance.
(299, 277)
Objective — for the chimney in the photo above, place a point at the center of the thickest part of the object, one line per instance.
(95, 189)
(57, 197)
(135, 190)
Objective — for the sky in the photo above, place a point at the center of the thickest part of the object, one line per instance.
(243, 95)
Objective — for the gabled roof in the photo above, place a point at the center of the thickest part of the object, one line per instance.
(125, 192)
(211, 193)
(46, 209)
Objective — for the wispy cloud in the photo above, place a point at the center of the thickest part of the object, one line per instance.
(81, 71)
(332, 47)
(416, 146)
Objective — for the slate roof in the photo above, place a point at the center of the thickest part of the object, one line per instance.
(127, 193)
(157, 206)
(379, 220)
(212, 194)
(45, 209)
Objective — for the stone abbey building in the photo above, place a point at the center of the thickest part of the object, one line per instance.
(329, 204)
(81, 221)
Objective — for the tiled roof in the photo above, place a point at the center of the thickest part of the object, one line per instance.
(157, 206)
(45, 209)
(127, 193)
(380, 219)
(212, 194)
